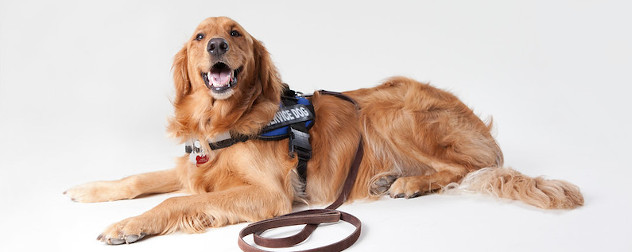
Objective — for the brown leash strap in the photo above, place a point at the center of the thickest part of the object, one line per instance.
(311, 218)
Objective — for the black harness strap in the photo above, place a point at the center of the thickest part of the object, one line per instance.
(299, 144)
(299, 136)
(228, 142)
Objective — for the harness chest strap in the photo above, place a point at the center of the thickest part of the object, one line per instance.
(313, 217)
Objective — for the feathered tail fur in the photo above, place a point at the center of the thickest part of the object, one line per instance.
(511, 184)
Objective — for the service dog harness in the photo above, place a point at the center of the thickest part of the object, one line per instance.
(293, 120)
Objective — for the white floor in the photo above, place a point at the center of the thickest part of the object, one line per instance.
(85, 89)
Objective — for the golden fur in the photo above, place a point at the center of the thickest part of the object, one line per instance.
(418, 139)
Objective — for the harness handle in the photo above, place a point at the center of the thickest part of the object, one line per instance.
(312, 217)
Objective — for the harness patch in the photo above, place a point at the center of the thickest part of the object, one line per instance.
(289, 115)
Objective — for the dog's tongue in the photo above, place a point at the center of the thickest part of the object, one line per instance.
(220, 78)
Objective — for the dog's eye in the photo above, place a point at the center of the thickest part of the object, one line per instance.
(234, 33)
(199, 36)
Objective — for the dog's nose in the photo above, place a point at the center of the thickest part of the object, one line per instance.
(217, 46)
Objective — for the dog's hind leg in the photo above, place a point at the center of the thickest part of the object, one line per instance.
(413, 186)
(126, 188)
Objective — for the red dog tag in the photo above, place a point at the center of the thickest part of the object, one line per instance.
(201, 160)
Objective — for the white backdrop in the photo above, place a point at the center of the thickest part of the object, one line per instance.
(85, 90)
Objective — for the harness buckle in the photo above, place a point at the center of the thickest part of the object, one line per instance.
(299, 143)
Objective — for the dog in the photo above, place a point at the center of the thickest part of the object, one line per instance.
(417, 140)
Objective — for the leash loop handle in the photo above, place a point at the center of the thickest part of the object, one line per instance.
(311, 217)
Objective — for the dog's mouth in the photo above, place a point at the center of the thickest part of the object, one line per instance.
(221, 77)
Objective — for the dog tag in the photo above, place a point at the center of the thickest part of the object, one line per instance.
(197, 154)
(200, 160)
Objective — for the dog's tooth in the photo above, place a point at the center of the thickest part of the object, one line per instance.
(212, 80)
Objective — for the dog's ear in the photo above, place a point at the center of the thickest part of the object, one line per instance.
(271, 84)
(181, 74)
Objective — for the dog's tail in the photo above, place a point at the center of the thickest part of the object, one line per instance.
(511, 184)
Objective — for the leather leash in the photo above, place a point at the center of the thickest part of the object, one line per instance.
(312, 217)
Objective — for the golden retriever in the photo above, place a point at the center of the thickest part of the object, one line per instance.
(418, 139)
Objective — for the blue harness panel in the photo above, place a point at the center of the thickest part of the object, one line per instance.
(287, 115)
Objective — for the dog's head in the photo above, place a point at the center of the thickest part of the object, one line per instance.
(220, 74)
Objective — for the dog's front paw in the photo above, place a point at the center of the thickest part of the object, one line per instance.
(98, 192)
(127, 231)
